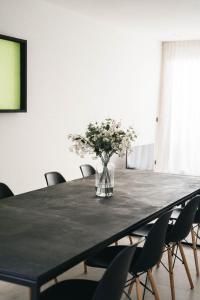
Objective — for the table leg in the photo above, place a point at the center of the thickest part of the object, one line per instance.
(35, 293)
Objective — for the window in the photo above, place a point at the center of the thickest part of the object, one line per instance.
(178, 138)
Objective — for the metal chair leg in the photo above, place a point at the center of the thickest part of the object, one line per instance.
(195, 251)
(186, 265)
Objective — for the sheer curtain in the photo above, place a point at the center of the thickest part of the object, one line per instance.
(178, 136)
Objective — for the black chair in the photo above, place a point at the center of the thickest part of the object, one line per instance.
(5, 191)
(175, 234)
(144, 259)
(87, 170)
(53, 178)
(194, 233)
(110, 287)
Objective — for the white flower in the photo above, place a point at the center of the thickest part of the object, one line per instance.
(103, 139)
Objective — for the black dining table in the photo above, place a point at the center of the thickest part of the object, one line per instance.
(45, 232)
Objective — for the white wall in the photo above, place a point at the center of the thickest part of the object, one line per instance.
(79, 70)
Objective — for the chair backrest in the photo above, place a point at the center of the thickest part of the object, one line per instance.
(111, 285)
(87, 170)
(53, 178)
(197, 215)
(141, 157)
(5, 191)
(153, 247)
(182, 227)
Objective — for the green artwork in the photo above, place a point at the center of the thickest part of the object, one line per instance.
(9, 74)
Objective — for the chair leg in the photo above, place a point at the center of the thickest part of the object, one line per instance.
(130, 288)
(85, 267)
(138, 288)
(197, 233)
(194, 247)
(171, 274)
(153, 285)
(173, 248)
(130, 239)
(158, 264)
(186, 265)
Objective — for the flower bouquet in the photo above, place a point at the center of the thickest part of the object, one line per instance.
(103, 139)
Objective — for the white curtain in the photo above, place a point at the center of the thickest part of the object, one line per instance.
(178, 136)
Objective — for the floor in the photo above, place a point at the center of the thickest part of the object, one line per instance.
(183, 291)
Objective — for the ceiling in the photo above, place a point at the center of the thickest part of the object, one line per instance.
(164, 19)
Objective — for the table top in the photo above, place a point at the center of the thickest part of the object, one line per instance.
(44, 232)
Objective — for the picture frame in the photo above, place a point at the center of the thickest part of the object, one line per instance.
(13, 74)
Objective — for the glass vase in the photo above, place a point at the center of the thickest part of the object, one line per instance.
(104, 179)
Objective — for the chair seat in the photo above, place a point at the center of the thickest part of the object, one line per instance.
(142, 231)
(71, 290)
(105, 257)
(175, 214)
(197, 217)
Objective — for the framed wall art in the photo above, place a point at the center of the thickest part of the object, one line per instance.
(13, 74)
